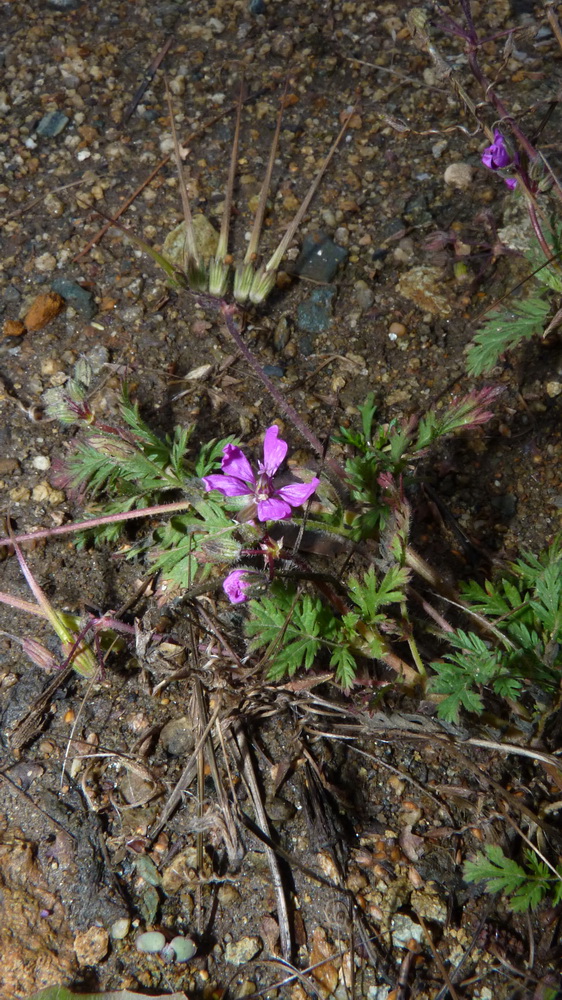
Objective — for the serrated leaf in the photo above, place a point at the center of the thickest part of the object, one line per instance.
(503, 330)
(525, 887)
(345, 664)
(369, 594)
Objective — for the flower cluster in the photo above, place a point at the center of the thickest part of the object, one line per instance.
(265, 500)
(497, 156)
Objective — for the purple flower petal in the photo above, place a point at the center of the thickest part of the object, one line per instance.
(229, 486)
(297, 493)
(273, 509)
(236, 585)
(511, 182)
(235, 463)
(497, 156)
(274, 451)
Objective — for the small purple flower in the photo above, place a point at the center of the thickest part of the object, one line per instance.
(239, 479)
(236, 585)
(497, 156)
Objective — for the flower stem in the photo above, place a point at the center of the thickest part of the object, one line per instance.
(228, 313)
(95, 522)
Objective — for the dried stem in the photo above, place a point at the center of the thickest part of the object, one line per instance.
(196, 273)
(260, 211)
(229, 313)
(219, 270)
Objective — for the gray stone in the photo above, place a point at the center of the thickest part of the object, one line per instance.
(78, 297)
(363, 295)
(403, 929)
(314, 315)
(52, 124)
(177, 736)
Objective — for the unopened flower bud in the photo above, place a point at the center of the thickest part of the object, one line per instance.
(39, 655)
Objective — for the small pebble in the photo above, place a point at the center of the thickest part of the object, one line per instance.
(120, 928)
(404, 929)
(45, 263)
(242, 951)
(553, 389)
(53, 205)
(177, 736)
(52, 123)
(76, 295)
(281, 333)
(44, 308)
(41, 462)
(282, 46)
(8, 466)
(13, 328)
(91, 945)
(314, 315)
(363, 295)
(459, 175)
(439, 148)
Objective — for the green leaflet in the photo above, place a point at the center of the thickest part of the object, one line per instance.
(504, 329)
(524, 887)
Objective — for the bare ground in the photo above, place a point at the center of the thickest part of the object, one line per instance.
(372, 813)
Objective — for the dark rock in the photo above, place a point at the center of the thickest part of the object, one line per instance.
(314, 315)
(78, 297)
(319, 258)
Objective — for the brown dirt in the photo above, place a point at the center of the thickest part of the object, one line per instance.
(403, 809)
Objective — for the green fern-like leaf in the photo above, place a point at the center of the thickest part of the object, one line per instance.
(302, 625)
(503, 330)
(346, 665)
(460, 674)
(370, 594)
(210, 455)
(525, 887)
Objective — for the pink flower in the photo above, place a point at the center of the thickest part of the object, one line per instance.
(236, 585)
(238, 479)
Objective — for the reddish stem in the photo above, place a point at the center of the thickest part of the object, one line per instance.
(95, 522)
